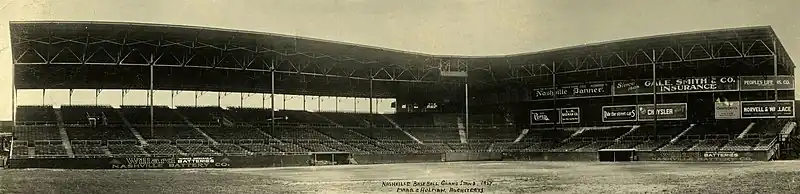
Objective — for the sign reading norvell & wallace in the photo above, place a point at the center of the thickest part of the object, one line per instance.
(768, 109)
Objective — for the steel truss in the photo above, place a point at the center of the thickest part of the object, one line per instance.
(128, 50)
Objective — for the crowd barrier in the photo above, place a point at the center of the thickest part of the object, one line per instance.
(162, 162)
(677, 156)
(396, 158)
(305, 160)
(472, 156)
(701, 156)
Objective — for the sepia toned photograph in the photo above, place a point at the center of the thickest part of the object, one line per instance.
(399, 96)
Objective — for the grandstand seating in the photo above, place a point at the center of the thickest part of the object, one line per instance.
(245, 131)
(100, 132)
(351, 120)
(234, 132)
(81, 114)
(162, 150)
(203, 115)
(161, 115)
(435, 134)
(492, 134)
(36, 114)
(125, 150)
(198, 150)
(171, 132)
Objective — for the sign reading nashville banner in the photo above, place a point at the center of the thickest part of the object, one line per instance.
(676, 85)
(649, 112)
(553, 116)
(768, 109)
(575, 91)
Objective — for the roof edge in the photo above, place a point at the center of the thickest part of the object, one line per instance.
(763, 27)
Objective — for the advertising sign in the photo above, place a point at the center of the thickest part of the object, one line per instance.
(676, 85)
(544, 116)
(768, 109)
(169, 162)
(574, 91)
(649, 112)
(570, 115)
(727, 110)
(619, 113)
(766, 83)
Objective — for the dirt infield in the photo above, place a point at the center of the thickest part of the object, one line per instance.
(474, 177)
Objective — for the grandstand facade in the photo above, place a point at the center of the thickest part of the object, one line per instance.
(702, 96)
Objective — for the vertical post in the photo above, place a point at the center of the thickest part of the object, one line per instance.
(272, 97)
(241, 100)
(152, 118)
(555, 92)
(655, 96)
(195, 98)
(96, 96)
(466, 109)
(775, 73)
(370, 95)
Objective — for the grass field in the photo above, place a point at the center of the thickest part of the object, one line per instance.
(491, 177)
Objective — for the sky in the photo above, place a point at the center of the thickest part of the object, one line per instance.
(447, 27)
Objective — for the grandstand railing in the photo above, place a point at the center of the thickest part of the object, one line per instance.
(47, 123)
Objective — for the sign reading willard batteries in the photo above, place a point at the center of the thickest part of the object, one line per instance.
(649, 112)
(766, 83)
(676, 85)
(728, 110)
(544, 116)
(570, 115)
(619, 113)
(768, 109)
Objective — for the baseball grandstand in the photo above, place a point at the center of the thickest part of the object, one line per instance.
(103, 95)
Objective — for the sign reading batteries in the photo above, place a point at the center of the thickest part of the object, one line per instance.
(649, 112)
(554, 116)
(768, 109)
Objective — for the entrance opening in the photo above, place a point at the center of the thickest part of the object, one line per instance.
(617, 155)
(321, 159)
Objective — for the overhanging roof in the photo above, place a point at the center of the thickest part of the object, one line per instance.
(365, 54)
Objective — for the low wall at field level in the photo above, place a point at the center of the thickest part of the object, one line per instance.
(303, 160)
(162, 162)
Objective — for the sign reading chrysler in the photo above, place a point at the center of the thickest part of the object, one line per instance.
(619, 113)
(676, 85)
(544, 116)
(766, 83)
(570, 115)
(768, 109)
(649, 112)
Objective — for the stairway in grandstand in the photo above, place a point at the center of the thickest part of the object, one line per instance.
(63, 132)
(197, 128)
(129, 126)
